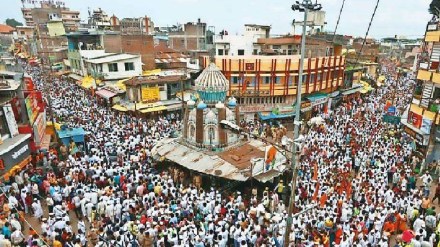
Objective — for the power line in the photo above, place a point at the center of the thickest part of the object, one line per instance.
(366, 34)
(337, 23)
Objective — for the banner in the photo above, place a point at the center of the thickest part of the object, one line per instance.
(32, 109)
(150, 94)
(415, 119)
(426, 125)
(10, 119)
(39, 128)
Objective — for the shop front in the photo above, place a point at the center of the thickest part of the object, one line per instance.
(318, 102)
(421, 139)
(15, 154)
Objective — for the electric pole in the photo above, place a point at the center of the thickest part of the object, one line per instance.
(305, 7)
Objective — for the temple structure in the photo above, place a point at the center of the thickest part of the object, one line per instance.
(202, 125)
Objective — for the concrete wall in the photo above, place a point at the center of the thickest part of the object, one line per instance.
(121, 73)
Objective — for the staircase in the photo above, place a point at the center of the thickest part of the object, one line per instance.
(426, 94)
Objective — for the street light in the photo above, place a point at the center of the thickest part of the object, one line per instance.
(305, 6)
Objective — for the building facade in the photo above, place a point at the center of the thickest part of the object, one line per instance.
(193, 36)
(112, 66)
(261, 82)
(422, 121)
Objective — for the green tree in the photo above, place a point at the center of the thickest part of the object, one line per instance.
(434, 8)
(13, 23)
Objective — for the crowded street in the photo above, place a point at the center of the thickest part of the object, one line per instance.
(356, 186)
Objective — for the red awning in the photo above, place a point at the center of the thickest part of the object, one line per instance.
(106, 94)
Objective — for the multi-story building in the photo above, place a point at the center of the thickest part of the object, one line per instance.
(422, 119)
(191, 37)
(256, 40)
(137, 26)
(39, 16)
(260, 83)
(112, 66)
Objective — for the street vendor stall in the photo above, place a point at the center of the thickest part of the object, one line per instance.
(75, 134)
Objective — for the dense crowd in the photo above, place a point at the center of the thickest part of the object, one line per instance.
(356, 170)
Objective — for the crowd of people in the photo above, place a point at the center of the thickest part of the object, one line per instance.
(356, 171)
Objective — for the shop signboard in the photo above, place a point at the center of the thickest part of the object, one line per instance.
(16, 155)
(249, 66)
(39, 128)
(306, 106)
(391, 110)
(426, 125)
(32, 109)
(10, 120)
(391, 119)
(255, 108)
(415, 119)
(150, 94)
(319, 101)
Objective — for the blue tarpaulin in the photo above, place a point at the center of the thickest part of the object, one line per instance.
(75, 134)
(275, 116)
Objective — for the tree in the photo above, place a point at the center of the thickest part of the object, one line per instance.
(434, 8)
(13, 23)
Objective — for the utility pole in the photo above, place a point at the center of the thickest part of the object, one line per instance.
(305, 7)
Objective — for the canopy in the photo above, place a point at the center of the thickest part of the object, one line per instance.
(106, 94)
(275, 116)
(154, 109)
(88, 82)
(120, 108)
(57, 125)
(352, 90)
(317, 98)
(77, 134)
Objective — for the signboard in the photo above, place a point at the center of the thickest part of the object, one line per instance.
(16, 155)
(250, 66)
(39, 128)
(150, 94)
(426, 125)
(10, 120)
(255, 108)
(391, 110)
(391, 119)
(32, 108)
(306, 106)
(319, 101)
(415, 119)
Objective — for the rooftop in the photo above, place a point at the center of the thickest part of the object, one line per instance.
(6, 29)
(152, 79)
(111, 57)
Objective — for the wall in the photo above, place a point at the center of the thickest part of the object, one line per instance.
(235, 42)
(134, 44)
(270, 76)
(142, 45)
(56, 28)
(121, 73)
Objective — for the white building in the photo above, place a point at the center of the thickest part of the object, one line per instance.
(241, 45)
(112, 66)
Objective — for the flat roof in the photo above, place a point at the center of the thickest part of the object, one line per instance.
(152, 80)
(112, 58)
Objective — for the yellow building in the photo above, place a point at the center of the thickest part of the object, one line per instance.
(423, 119)
(261, 82)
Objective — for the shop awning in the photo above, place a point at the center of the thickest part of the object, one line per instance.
(275, 116)
(154, 109)
(174, 107)
(120, 108)
(76, 77)
(352, 90)
(317, 98)
(106, 94)
(120, 84)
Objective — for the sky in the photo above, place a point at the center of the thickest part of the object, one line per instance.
(393, 17)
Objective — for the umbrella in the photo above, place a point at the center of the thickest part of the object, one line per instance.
(407, 236)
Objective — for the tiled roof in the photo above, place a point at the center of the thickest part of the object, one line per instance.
(6, 29)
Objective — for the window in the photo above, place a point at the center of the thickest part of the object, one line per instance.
(113, 67)
(220, 52)
(241, 52)
(291, 80)
(255, 51)
(276, 47)
(319, 77)
(278, 80)
(129, 66)
(234, 79)
(289, 47)
(226, 52)
(304, 78)
(266, 79)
